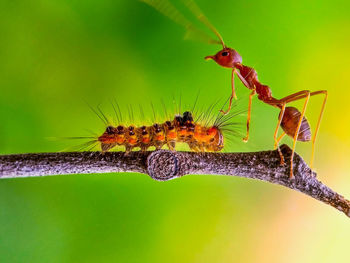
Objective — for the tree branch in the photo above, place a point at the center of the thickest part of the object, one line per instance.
(165, 165)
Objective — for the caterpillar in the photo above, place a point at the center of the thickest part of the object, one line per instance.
(203, 134)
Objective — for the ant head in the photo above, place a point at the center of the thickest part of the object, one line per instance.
(227, 57)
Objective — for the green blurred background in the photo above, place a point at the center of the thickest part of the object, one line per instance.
(57, 55)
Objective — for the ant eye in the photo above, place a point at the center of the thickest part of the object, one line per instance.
(224, 54)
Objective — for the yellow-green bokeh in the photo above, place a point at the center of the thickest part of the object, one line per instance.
(57, 55)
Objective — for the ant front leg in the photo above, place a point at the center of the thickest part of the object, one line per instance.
(233, 83)
(245, 139)
(233, 94)
(244, 81)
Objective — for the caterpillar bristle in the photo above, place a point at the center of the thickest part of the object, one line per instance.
(88, 146)
(198, 135)
(115, 112)
(96, 113)
(103, 115)
(206, 131)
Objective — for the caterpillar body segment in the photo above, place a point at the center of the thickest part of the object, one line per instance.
(181, 129)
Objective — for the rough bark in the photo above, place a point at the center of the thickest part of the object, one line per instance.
(165, 165)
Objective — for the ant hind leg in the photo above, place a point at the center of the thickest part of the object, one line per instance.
(297, 133)
(276, 141)
(318, 123)
(307, 94)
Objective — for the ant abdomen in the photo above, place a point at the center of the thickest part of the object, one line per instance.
(290, 123)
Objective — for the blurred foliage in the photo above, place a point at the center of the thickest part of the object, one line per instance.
(57, 55)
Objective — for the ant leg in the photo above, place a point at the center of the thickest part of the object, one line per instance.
(279, 149)
(245, 83)
(233, 94)
(295, 96)
(280, 117)
(280, 138)
(245, 139)
(318, 123)
(302, 94)
(276, 141)
(297, 133)
(233, 83)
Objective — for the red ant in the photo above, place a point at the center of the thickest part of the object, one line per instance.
(290, 119)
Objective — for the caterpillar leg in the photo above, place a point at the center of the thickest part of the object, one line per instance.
(105, 147)
(128, 149)
(171, 145)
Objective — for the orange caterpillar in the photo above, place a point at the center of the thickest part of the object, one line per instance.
(181, 129)
(200, 138)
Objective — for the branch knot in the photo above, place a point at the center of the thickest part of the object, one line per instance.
(163, 165)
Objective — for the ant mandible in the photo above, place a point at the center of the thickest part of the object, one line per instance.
(291, 120)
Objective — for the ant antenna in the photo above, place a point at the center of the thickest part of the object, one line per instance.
(168, 9)
(194, 8)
